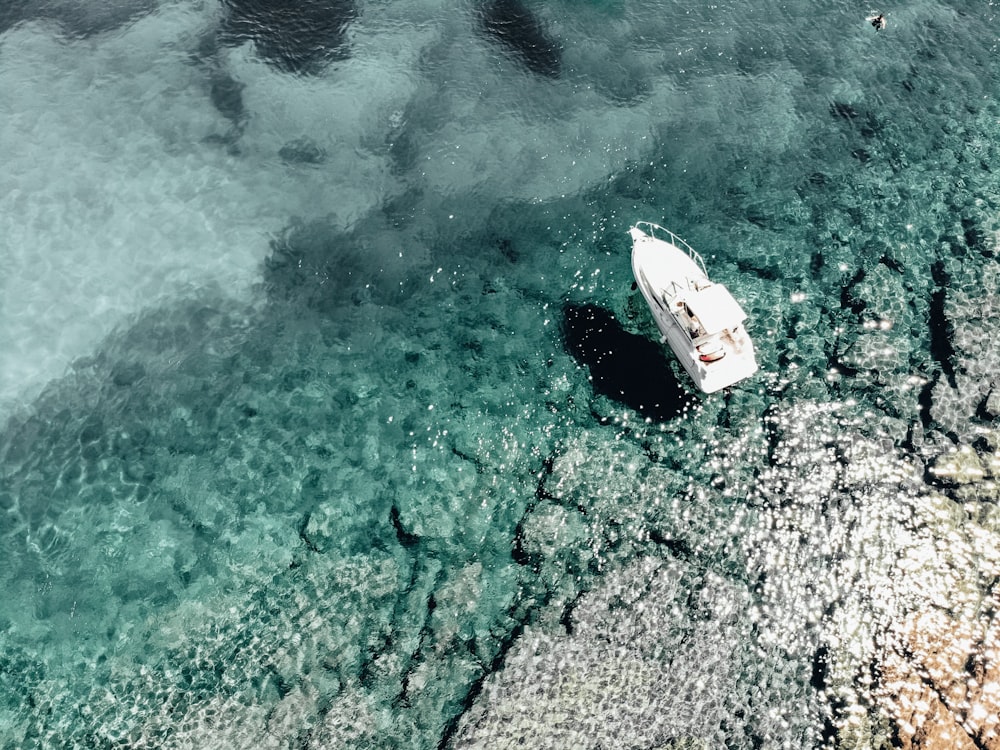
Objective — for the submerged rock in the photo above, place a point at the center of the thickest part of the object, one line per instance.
(638, 664)
(899, 578)
(941, 679)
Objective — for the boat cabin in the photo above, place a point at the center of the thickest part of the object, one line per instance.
(708, 310)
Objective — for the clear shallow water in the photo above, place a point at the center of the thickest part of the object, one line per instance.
(311, 436)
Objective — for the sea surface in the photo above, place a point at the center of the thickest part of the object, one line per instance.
(329, 417)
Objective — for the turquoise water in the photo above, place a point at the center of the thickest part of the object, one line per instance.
(331, 418)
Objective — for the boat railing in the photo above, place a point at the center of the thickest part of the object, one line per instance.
(652, 229)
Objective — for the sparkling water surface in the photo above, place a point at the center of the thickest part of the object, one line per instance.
(331, 420)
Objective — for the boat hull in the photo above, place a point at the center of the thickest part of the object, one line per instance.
(700, 320)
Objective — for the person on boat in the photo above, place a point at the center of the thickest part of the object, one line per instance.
(878, 21)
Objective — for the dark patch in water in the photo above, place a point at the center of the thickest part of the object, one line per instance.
(940, 327)
(626, 368)
(126, 374)
(508, 251)
(770, 273)
(313, 264)
(12, 13)
(891, 263)
(866, 122)
(512, 24)
(820, 668)
(926, 400)
(295, 37)
(843, 110)
(816, 263)
(862, 155)
(302, 151)
(871, 127)
(848, 301)
(677, 547)
(406, 538)
(77, 19)
(224, 91)
(975, 238)
(227, 96)
(404, 150)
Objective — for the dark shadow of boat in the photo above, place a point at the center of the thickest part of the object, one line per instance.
(624, 367)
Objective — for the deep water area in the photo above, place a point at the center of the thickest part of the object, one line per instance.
(330, 416)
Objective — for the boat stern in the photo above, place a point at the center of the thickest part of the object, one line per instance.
(719, 362)
(715, 379)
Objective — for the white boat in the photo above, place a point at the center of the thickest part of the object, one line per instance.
(700, 319)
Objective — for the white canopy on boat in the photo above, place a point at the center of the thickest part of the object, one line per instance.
(715, 308)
